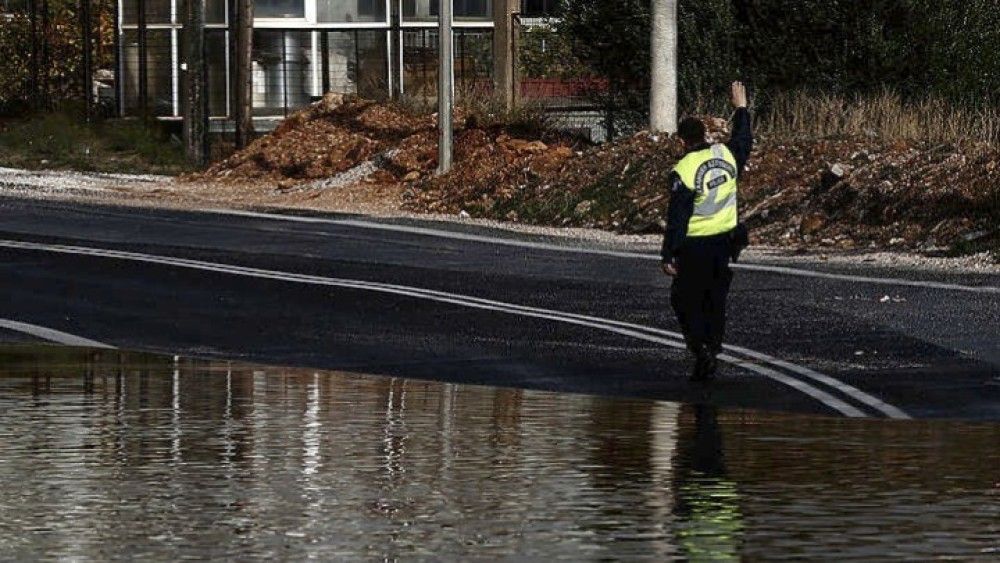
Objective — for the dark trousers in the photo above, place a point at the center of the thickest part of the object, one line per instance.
(700, 290)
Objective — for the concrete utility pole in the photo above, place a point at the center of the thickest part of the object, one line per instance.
(446, 92)
(506, 84)
(243, 91)
(663, 78)
(196, 118)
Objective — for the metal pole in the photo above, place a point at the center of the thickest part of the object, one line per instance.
(663, 76)
(324, 57)
(357, 62)
(445, 86)
(284, 72)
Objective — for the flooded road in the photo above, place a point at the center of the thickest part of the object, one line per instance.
(121, 455)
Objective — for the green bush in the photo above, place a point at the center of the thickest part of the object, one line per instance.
(918, 48)
(64, 140)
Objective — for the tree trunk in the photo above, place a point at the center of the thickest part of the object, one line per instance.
(243, 91)
(86, 29)
(663, 79)
(196, 118)
(143, 59)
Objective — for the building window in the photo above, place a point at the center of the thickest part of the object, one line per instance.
(279, 9)
(473, 63)
(354, 62)
(347, 11)
(157, 12)
(291, 68)
(158, 68)
(464, 10)
(474, 10)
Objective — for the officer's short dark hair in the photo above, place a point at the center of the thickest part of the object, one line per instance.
(691, 130)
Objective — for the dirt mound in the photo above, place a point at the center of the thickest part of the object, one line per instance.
(846, 193)
(323, 140)
(341, 134)
(850, 193)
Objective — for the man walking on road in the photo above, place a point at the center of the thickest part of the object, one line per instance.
(701, 221)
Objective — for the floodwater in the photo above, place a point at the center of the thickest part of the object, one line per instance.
(114, 455)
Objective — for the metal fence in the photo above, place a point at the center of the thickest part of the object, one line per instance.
(126, 57)
(571, 101)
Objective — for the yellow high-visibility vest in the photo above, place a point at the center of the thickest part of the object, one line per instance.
(711, 174)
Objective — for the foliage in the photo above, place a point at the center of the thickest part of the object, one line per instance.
(600, 33)
(885, 115)
(919, 48)
(546, 53)
(57, 41)
(63, 140)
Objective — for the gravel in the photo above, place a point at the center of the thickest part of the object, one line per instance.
(54, 182)
(162, 191)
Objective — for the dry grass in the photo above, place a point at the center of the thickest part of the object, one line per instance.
(884, 116)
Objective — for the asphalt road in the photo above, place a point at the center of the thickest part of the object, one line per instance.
(470, 305)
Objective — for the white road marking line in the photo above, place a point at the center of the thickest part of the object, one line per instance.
(52, 335)
(853, 392)
(469, 237)
(626, 329)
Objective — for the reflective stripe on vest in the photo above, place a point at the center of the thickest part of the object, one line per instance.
(711, 174)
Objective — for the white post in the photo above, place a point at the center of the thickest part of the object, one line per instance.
(663, 78)
(445, 85)
(505, 79)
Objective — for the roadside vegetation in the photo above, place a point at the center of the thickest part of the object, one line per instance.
(878, 125)
(883, 115)
(853, 184)
(64, 141)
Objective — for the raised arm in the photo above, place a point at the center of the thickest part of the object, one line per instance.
(741, 142)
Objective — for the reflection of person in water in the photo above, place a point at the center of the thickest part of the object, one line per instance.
(709, 522)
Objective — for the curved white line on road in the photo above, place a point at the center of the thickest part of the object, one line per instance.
(849, 390)
(640, 332)
(469, 237)
(52, 335)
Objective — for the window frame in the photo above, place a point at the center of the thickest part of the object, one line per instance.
(311, 17)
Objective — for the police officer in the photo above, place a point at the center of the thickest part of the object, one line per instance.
(701, 221)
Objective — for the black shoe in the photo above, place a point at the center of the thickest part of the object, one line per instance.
(702, 366)
(711, 366)
(705, 366)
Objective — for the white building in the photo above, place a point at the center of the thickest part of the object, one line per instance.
(302, 48)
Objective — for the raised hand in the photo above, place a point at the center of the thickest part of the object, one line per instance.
(739, 94)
